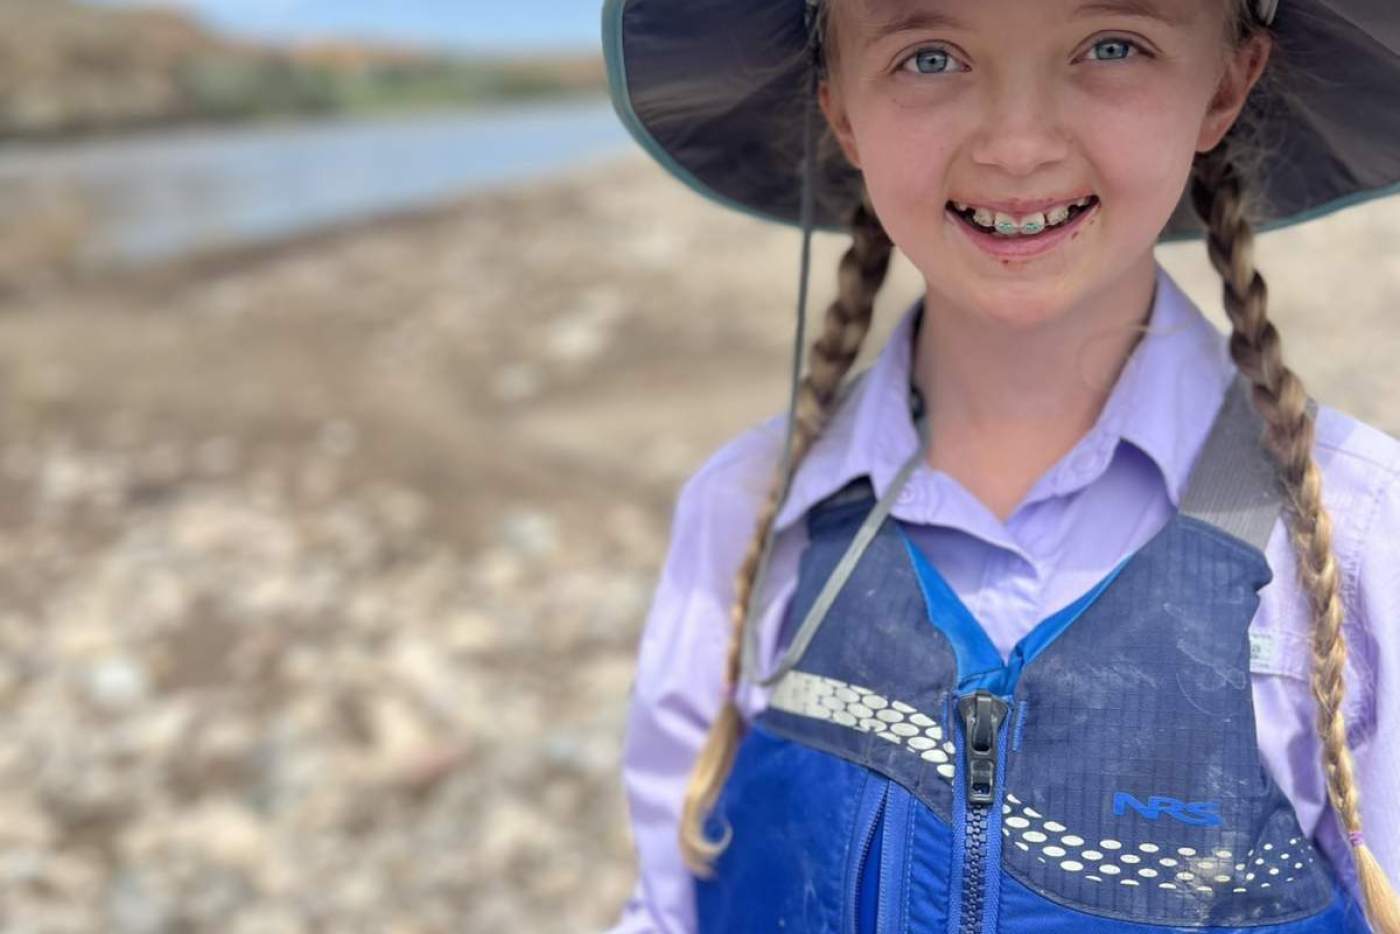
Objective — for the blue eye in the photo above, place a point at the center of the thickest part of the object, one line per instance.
(1115, 49)
(930, 61)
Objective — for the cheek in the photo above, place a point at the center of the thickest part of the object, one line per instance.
(1141, 154)
(906, 157)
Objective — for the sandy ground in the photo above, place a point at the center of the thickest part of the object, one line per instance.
(322, 566)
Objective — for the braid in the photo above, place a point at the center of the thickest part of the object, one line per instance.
(860, 274)
(1216, 192)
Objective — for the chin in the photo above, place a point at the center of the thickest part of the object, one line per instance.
(1019, 305)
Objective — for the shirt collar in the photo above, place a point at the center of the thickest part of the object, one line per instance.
(1166, 398)
(870, 433)
(1163, 403)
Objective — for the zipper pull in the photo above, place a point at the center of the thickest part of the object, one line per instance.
(982, 713)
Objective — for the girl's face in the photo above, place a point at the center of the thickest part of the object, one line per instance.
(1023, 107)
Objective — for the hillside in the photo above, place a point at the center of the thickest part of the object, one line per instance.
(68, 69)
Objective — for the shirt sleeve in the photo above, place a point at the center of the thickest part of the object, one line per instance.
(1373, 647)
(678, 685)
(1363, 496)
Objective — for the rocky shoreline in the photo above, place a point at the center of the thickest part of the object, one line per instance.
(322, 566)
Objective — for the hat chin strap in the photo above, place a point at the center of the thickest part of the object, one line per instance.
(748, 635)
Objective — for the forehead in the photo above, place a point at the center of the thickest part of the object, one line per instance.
(871, 20)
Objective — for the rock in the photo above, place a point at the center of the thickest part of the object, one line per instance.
(116, 683)
(586, 330)
(218, 457)
(136, 904)
(530, 532)
(426, 673)
(469, 631)
(227, 833)
(338, 438)
(267, 919)
(516, 382)
(419, 772)
(497, 570)
(399, 731)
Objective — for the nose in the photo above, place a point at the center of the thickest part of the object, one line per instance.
(1021, 131)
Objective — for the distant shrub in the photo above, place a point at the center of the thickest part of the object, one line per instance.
(225, 87)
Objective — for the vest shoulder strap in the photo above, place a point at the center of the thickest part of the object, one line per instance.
(857, 490)
(1234, 484)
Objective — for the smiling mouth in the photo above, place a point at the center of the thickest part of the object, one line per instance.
(1007, 227)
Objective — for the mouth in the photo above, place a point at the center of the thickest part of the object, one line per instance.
(1002, 224)
(1011, 235)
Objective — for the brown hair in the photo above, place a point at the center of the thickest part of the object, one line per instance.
(1223, 201)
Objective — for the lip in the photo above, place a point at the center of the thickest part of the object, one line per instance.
(1022, 206)
(1021, 247)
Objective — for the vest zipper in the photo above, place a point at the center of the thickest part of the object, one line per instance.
(865, 895)
(982, 716)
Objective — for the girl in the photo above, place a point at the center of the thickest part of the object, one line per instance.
(1002, 651)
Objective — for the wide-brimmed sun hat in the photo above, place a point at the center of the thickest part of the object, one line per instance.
(709, 89)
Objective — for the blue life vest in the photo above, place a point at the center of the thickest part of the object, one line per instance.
(1105, 778)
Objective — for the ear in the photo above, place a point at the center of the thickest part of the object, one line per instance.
(1242, 70)
(834, 108)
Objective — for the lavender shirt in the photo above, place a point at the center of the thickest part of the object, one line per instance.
(1100, 502)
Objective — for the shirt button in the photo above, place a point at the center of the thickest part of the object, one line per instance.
(1086, 462)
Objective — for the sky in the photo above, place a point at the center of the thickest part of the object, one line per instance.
(472, 25)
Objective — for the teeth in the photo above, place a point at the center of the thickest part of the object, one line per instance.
(1006, 224)
(1029, 225)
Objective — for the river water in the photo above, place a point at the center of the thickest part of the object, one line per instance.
(163, 194)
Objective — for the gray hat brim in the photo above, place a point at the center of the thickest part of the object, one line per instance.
(709, 87)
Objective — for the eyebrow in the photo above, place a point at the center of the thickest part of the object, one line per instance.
(1145, 9)
(906, 20)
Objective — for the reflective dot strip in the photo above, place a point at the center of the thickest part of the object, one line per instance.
(860, 708)
(1182, 869)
